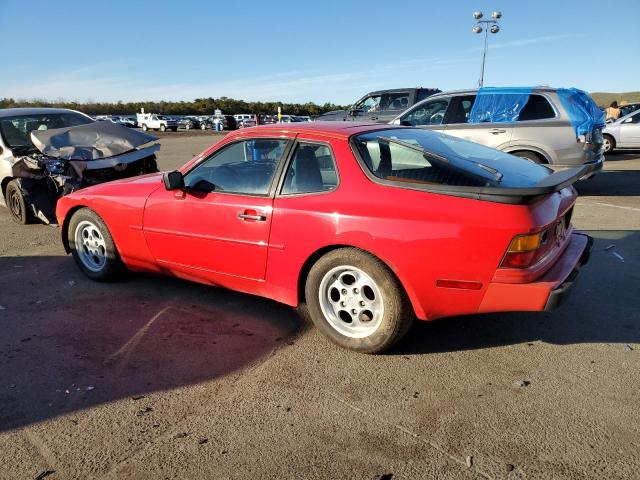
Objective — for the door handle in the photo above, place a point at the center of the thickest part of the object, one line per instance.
(252, 215)
(496, 131)
(374, 118)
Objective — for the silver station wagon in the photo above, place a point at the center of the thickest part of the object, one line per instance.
(557, 127)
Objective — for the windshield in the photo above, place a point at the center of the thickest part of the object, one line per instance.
(427, 157)
(16, 131)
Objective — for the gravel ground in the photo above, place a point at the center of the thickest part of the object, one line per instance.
(154, 377)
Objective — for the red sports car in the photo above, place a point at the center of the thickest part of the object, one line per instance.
(369, 225)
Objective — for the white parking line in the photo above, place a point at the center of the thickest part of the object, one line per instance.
(611, 205)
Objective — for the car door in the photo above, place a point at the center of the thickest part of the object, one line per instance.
(630, 132)
(365, 109)
(218, 225)
(428, 115)
(457, 124)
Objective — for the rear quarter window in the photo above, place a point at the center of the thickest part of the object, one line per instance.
(537, 108)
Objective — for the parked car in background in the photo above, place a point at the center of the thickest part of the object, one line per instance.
(153, 121)
(557, 127)
(381, 106)
(239, 117)
(447, 227)
(124, 121)
(246, 122)
(622, 133)
(46, 153)
(229, 122)
(190, 123)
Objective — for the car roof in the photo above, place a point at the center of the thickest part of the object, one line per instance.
(475, 90)
(12, 112)
(334, 129)
(393, 90)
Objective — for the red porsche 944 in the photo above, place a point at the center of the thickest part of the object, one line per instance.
(370, 225)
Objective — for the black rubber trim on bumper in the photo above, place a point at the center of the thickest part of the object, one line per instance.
(560, 294)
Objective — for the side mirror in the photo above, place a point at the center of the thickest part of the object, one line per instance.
(406, 123)
(396, 122)
(353, 111)
(173, 180)
(628, 120)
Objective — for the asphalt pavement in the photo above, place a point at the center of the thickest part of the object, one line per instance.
(154, 377)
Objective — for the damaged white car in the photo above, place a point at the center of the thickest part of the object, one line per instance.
(46, 153)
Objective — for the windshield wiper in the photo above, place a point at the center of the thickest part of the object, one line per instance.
(497, 175)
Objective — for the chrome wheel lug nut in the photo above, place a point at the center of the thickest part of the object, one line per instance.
(344, 291)
(361, 303)
(354, 311)
(355, 290)
(343, 304)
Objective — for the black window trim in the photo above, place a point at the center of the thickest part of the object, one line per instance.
(292, 152)
(275, 180)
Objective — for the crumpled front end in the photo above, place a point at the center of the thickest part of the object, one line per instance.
(77, 157)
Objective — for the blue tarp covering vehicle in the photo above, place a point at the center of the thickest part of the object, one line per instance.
(504, 104)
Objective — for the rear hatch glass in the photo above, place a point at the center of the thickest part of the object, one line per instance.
(424, 157)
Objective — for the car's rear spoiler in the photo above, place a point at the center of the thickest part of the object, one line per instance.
(512, 195)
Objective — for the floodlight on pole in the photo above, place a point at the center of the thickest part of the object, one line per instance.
(489, 26)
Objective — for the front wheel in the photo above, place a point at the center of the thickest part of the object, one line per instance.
(16, 203)
(92, 246)
(163, 128)
(609, 143)
(203, 127)
(356, 301)
(144, 127)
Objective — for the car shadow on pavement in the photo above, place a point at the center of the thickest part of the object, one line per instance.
(612, 183)
(68, 343)
(603, 308)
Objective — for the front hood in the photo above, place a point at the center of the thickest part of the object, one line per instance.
(93, 141)
(139, 186)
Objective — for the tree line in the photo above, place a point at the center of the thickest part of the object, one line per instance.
(199, 106)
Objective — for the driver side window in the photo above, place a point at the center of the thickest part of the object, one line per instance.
(245, 167)
(429, 113)
(369, 104)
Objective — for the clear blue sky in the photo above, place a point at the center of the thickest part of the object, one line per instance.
(301, 50)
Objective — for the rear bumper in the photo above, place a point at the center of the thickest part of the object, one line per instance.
(558, 295)
(547, 292)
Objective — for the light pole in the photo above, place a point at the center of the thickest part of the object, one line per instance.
(489, 26)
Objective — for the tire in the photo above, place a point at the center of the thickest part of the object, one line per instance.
(532, 157)
(350, 280)
(163, 128)
(609, 143)
(16, 204)
(92, 246)
(144, 127)
(187, 127)
(203, 127)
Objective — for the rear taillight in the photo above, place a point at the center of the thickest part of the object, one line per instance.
(524, 250)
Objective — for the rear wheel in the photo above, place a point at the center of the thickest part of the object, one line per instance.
(187, 126)
(16, 203)
(163, 127)
(609, 143)
(356, 301)
(203, 126)
(92, 246)
(144, 127)
(531, 156)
